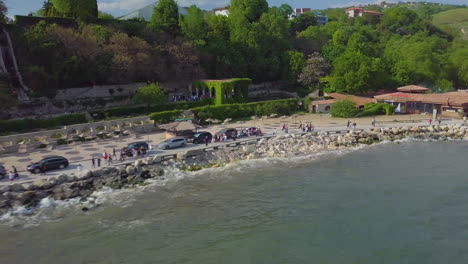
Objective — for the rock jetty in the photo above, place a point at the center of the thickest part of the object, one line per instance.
(72, 186)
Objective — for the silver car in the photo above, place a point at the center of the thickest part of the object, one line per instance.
(173, 143)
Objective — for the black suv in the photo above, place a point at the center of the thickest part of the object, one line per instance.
(200, 137)
(49, 163)
(230, 132)
(137, 146)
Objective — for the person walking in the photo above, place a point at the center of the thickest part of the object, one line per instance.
(11, 176)
(430, 122)
(439, 120)
(109, 160)
(354, 125)
(300, 124)
(373, 122)
(274, 132)
(93, 162)
(113, 152)
(99, 162)
(105, 155)
(122, 156)
(78, 168)
(15, 172)
(207, 140)
(348, 125)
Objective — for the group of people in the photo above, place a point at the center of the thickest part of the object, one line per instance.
(249, 132)
(307, 127)
(350, 125)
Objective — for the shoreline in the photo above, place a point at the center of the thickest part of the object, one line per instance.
(67, 187)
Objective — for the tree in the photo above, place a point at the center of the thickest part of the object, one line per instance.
(103, 15)
(302, 22)
(286, 10)
(84, 9)
(296, 61)
(165, 17)
(316, 67)
(193, 25)
(251, 10)
(151, 94)
(3, 12)
(344, 109)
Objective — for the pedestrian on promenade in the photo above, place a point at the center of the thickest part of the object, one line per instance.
(274, 131)
(105, 155)
(300, 125)
(348, 125)
(439, 120)
(93, 161)
(113, 152)
(99, 162)
(11, 175)
(78, 168)
(122, 156)
(373, 122)
(430, 122)
(109, 161)
(464, 119)
(15, 172)
(354, 125)
(207, 140)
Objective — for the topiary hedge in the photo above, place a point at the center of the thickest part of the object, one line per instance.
(344, 108)
(165, 116)
(374, 109)
(26, 125)
(221, 112)
(237, 86)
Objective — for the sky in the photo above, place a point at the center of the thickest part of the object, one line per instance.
(123, 7)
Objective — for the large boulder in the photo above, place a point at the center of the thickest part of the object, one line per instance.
(131, 170)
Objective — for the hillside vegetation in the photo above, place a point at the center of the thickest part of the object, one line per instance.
(454, 21)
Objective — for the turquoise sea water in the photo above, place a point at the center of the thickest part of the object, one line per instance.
(392, 203)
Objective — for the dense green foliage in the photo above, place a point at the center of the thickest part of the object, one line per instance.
(151, 94)
(83, 9)
(344, 108)
(257, 41)
(166, 17)
(26, 125)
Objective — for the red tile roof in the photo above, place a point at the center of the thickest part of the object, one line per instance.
(323, 102)
(452, 98)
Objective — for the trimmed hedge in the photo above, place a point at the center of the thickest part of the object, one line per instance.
(165, 116)
(344, 109)
(238, 85)
(28, 21)
(26, 125)
(221, 112)
(374, 109)
(143, 110)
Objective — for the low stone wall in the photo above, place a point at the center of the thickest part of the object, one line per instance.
(98, 91)
(31, 141)
(289, 145)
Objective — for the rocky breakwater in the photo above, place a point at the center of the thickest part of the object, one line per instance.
(291, 145)
(83, 185)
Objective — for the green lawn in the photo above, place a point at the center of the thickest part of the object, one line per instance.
(453, 21)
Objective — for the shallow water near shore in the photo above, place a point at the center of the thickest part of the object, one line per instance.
(390, 203)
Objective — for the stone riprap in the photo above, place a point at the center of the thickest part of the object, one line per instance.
(72, 186)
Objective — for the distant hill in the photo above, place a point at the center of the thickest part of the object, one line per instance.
(454, 21)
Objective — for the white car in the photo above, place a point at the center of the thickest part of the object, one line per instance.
(173, 143)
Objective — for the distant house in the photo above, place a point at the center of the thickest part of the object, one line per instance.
(146, 12)
(324, 106)
(359, 12)
(416, 100)
(221, 11)
(321, 19)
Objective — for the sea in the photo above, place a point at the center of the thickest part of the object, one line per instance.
(389, 203)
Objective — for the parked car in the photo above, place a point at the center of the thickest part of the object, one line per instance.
(3, 172)
(175, 142)
(229, 132)
(200, 137)
(135, 145)
(49, 163)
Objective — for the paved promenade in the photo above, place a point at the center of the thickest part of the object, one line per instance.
(82, 153)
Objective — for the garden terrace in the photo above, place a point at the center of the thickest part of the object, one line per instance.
(224, 91)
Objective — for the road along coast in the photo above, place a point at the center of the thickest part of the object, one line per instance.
(84, 184)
